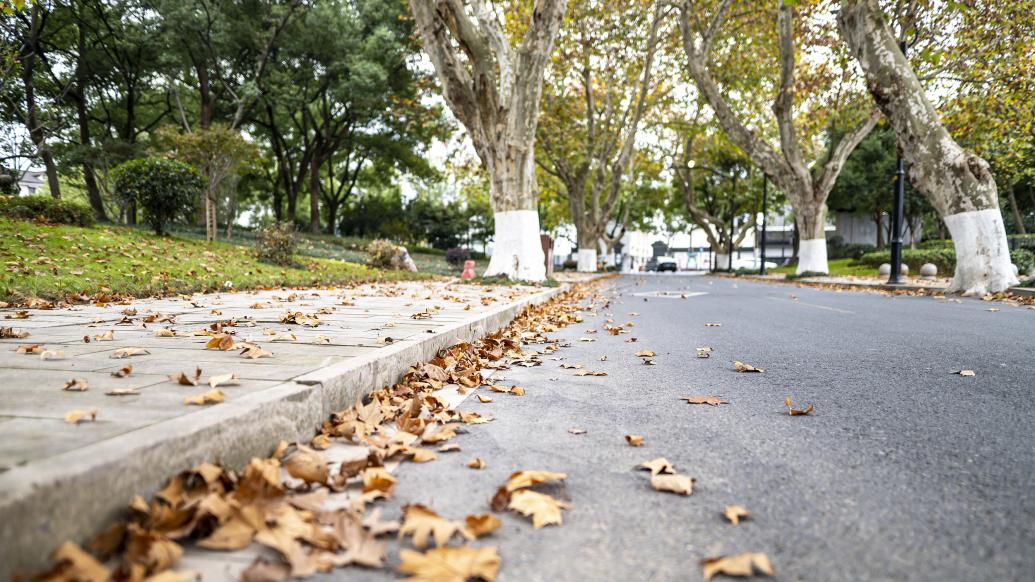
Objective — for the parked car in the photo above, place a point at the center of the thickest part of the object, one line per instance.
(660, 264)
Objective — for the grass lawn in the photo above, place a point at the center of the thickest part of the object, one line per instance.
(838, 268)
(53, 262)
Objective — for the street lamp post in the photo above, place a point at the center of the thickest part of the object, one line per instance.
(733, 221)
(765, 190)
(897, 209)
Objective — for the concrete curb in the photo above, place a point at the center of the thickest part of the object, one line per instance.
(1017, 291)
(72, 496)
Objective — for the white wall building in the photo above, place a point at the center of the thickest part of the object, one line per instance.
(30, 182)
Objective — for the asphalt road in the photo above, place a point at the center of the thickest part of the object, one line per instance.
(903, 472)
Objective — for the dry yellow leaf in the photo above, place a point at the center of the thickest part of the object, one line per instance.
(210, 397)
(107, 336)
(29, 349)
(482, 524)
(545, 510)
(76, 385)
(423, 523)
(123, 392)
(185, 380)
(221, 342)
(320, 442)
(797, 411)
(483, 398)
(123, 371)
(52, 355)
(378, 479)
(742, 367)
(304, 463)
(449, 448)
(965, 373)
(735, 513)
(713, 325)
(645, 354)
(743, 565)
(710, 400)
(476, 464)
(77, 416)
(165, 332)
(522, 479)
(656, 466)
(450, 564)
(128, 352)
(74, 563)
(634, 440)
(224, 380)
(681, 484)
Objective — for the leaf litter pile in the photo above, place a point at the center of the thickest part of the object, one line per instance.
(280, 502)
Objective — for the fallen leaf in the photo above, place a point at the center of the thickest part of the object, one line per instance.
(450, 564)
(18, 315)
(577, 430)
(10, 332)
(742, 367)
(76, 385)
(221, 342)
(545, 510)
(253, 352)
(483, 398)
(586, 339)
(657, 466)
(588, 373)
(77, 416)
(422, 523)
(522, 479)
(681, 484)
(742, 565)
(713, 325)
(123, 371)
(262, 570)
(127, 352)
(735, 514)
(107, 336)
(322, 339)
(449, 448)
(634, 440)
(52, 355)
(796, 411)
(965, 373)
(224, 380)
(710, 400)
(123, 392)
(476, 464)
(283, 337)
(29, 349)
(645, 354)
(72, 563)
(210, 397)
(378, 479)
(184, 380)
(165, 332)
(304, 463)
(482, 524)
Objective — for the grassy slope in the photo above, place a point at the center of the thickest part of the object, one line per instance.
(838, 268)
(53, 261)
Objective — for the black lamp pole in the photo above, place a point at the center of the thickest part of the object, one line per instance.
(733, 221)
(765, 190)
(897, 209)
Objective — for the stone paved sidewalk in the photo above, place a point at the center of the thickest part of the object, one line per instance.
(50, 469)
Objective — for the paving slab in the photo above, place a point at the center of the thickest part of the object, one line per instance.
(62, 481)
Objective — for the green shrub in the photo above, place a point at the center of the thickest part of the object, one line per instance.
(943, 258)
(46, 209)
(382, 254)
(1024, 259)
(165, 190)
(276, 244)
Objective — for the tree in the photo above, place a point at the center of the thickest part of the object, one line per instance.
(597, 93)
(493, 88)
(805, 185)
(958, 183)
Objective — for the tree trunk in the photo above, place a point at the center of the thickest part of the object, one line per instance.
(210, 213)
(812, 247)
(587, 243)
(93, 192)
(33, 123)
(958, 183)
(332, 215)
(314, 194)
(878, 218)
(517, 253)
(1018, 221)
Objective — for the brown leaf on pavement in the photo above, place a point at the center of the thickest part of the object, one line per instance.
(183, 379)
(449, 448)
(422, 523)
(165, 332)
(543, 509)
(481, 524)
(251, 351)
(77, 416)
(483, 398)
(965, 373)
(709, 400)
(123, 371)
(742, 565)
(224, 380)
(588, 373)
(128, 352)
(222, 342)
(522, 479)
(211, 397)
(657, 466)
(52, 355)
(735, 514)
(577, 430)
(476, 464)
(123, 392)
(713, 325)
(703, 352)
(108, 336)
(434, 435)
(304, 463)
(76, 385)
(634, 440)
(681, 484)
(262, 570)
(378, 479)
(796, 411)
(29, 349)
(742, 367)
(10, 332)
(645, 354)
(450, 564)
(75, 564)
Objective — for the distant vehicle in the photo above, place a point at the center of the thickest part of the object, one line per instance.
(744, 263)
(659, 264)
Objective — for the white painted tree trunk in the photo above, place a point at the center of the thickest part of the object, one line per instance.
(587, 260)
(982, 253)
(722, 261)
(517, 252)
(958, 183)
(812, 256)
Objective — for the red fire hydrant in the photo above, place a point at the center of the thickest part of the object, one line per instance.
(468, 270)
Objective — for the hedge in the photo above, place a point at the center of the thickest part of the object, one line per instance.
(943, 258)
(46, 209)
